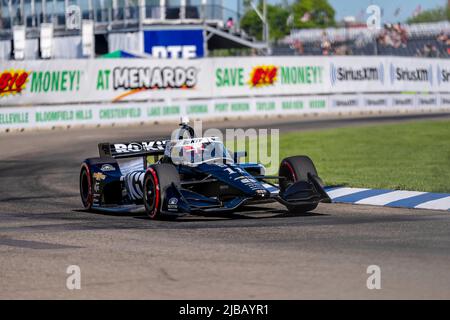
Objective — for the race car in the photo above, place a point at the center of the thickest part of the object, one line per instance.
(192, 175)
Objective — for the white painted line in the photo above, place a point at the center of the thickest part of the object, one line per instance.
(440, 204)
(384, 199)
(344, 192)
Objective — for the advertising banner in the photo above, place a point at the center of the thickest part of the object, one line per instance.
(268, 76)
(53, 82)
(102, 80)
(137, 112)
(174, 44)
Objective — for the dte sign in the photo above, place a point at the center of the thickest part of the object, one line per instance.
(174, 44)
(174, 52)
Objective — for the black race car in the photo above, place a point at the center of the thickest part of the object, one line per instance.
(192, 175)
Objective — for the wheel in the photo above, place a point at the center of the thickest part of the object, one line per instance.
(87, 196)
(157, 179)
(295, 169)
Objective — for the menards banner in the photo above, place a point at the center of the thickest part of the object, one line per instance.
(103, 80)
(33, 83)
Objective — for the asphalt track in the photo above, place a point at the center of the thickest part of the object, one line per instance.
(260, 253)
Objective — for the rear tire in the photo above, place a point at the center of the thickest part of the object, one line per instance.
(296, 169)
(157, 179)
(86, 192)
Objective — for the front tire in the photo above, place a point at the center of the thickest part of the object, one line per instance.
(296, 169)
(157, 179)
(86, 193)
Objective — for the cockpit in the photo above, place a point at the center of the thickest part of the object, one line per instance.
(197, 151)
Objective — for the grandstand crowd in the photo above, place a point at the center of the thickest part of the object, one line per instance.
(431, 40)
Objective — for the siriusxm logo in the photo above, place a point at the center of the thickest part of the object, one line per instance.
(411, 75)
(443, 75)
(346, 74)
(428, 101)
(350, 102)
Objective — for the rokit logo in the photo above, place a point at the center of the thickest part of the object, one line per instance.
(139, 147)
(346, 74)
(154, 78)
(411, 75)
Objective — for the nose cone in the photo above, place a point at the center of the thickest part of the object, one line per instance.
(237, 178)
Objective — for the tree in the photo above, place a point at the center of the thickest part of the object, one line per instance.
(312, 14)
(432, 15)
(277, 16)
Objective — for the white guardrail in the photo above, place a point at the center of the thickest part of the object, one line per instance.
(37, 94)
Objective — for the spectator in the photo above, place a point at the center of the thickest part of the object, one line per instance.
(442, 37)
(434, 53)
(298, 47)
(427, 50)
(230, 23)
(325, 45)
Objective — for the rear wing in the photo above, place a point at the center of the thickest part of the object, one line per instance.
(132, 149)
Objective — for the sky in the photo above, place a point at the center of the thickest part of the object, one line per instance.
(354, 7)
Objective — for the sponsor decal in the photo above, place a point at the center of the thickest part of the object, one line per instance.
(403, 102)
(134, 185)
(240, 106)
(445, 101)
(174, 52)
(197, 109)
(230, 77)
(428, 101)
(263, 76)
(346, 74)
(301, 75)
(317, 104)
(108, 168)
(350, 102)
(173, 204)
(14, 118)
(376, 102)
(120, 113)
(55, 81)
(268, 75)
(157, 111)
(139, 146)
(99, 176)
(443, 75)
(13, 81)
(63, 116)
(292, 105)
(174, 44)
(194, 141)
(266, 106)
(136, 79)
(411, 74)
